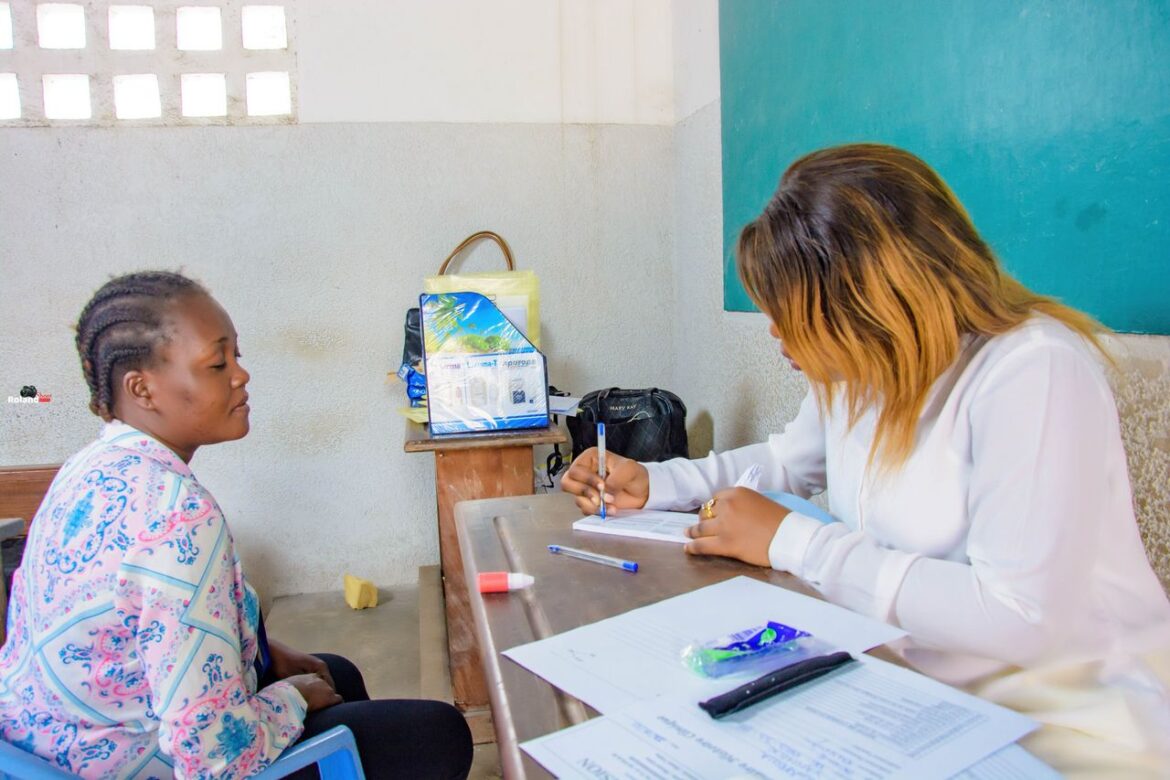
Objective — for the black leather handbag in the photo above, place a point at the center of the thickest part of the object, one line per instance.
(647, 425)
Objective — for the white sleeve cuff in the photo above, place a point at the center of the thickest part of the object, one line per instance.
(663, 492)
(791, 541)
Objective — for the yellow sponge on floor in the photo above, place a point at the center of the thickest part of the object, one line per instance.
(360, 593)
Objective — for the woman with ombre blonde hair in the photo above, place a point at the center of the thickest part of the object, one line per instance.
(968, 444)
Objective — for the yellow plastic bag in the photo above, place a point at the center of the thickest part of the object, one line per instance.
(515, 293)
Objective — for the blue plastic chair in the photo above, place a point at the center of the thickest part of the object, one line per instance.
(334, 752)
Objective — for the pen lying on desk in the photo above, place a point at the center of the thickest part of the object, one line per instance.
(585, 555)
(773, 683)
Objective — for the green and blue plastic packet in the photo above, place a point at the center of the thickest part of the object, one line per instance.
(757, 649)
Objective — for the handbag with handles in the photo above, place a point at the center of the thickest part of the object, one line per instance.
(648, 425)
(515, 293)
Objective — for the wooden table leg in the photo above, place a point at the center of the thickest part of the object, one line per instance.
(489, 472)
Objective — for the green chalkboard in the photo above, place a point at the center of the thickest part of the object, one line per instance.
(1049, 119)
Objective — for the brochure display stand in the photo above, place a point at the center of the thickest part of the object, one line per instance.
(482, 373)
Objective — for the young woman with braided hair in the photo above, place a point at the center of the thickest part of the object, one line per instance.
(967, 441)
(135, 645)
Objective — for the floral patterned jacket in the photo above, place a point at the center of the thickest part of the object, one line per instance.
(131, 629)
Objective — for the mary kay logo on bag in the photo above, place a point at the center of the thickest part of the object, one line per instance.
(631, 409)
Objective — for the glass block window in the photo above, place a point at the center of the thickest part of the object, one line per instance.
(268, 94)
(5, 26)
(204, 94)
(9, 97)
(60, 26)
(264, 27)
(136, 96)
(146, 62)
(131, 27)
(198, 28)
(67, 96)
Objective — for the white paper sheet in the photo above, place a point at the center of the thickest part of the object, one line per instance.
(637, 655)
(641, 524)
(869, 720)
(1009, 763)
(564, 405)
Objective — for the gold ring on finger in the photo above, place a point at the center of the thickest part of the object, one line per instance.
(707, 511)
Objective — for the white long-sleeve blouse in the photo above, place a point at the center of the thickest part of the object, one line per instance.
(1006, 541)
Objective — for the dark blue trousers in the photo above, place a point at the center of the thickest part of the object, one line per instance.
(396, 738)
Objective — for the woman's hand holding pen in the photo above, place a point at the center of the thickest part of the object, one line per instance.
(736, 523)
(626, 483)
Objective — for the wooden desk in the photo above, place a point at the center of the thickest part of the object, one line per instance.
(511, 535)
(22, 488)
(472, 467)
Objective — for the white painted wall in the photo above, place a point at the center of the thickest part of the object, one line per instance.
(571, 61)
(695, 52)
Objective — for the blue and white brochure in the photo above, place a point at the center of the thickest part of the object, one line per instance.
(482, 373)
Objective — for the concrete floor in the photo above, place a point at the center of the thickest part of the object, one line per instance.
(399, 645)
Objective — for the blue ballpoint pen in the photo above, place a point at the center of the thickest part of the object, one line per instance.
(601, 463)
(586, 555)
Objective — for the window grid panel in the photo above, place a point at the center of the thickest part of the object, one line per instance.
(95, 60)
(5, 26)
(199, 28)
(204, 95)
(101, 99)
(67, 96)
(102, 63)
(165, 40)
(264, 27)
(237, 96)
(268, 93)
(136, 96)
(131, 27)
(22, 60)
(9, 96)
(61, 26)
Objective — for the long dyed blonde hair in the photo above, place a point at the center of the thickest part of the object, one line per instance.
(872, 273)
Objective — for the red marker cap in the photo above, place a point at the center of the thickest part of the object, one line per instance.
(503, 581)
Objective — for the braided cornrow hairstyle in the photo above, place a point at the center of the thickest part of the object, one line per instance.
(121, 327)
